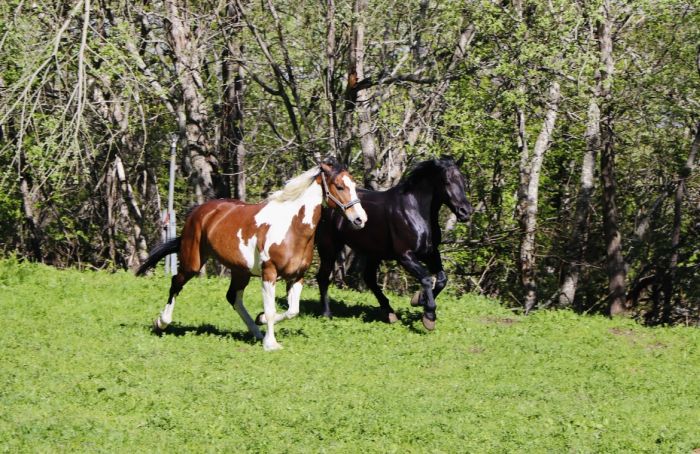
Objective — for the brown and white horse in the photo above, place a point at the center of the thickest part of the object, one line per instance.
(273, 239)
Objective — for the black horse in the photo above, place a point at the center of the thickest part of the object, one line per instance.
(402, 225)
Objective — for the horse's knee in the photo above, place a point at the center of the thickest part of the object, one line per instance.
(427, 282)
(440, 281)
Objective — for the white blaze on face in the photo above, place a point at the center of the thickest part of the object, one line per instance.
(279, 215)
(357, 208)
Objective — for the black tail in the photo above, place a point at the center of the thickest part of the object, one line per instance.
(160, 251)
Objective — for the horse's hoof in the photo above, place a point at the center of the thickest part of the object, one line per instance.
(156, 328)
(429, 324)
(416, 300)
(272, 346)
(327, 315)
(259, 319)
(392, 318)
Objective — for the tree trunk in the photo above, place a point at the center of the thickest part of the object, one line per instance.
(329, 80)
(132, 213)
(367, 140)
(350, 101)
(527, 247)
(524, 167)
(579, 233)
(232, 148)
(187, 67)
(30, 217)
(28, 195)
(679, 195)
(617, 274)
(111, 197)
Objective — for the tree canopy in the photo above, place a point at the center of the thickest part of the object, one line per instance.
(579, 123)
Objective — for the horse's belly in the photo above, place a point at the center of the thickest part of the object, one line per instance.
(292, 262)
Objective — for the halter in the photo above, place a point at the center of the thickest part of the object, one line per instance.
(327, 192)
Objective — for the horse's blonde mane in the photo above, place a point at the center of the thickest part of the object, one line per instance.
(295, 187)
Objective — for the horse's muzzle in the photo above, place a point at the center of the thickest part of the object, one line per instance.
(464, 213)
(357, 217)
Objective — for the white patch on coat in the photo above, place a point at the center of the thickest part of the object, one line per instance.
(279, 215)
(249, 252)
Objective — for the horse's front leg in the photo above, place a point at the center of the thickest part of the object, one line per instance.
(269, 315)
(409, 261)
(293, 297)
(434, 263)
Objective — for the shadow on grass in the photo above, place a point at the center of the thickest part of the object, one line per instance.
(408, 317)
(204, 329)
(341, 310)
(207, 329)
(368, 314)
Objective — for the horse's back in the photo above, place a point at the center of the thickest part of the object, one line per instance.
(215, 228)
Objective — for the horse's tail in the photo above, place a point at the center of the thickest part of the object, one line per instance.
(160, 251)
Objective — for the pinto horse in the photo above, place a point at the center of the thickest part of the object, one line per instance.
(402, 225)
(272, 239)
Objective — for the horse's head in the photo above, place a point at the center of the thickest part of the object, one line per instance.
(340, 191)
(454, 188)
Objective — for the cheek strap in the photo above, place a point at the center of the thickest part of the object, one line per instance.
(329, 196)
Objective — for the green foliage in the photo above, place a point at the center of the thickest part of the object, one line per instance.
(66, 153)
(83, 372)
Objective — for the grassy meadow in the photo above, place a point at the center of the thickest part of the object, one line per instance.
(80, 370)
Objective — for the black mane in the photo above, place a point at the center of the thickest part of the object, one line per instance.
(424, 170)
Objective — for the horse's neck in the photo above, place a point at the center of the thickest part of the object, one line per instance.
(425, 194)
(281, 213)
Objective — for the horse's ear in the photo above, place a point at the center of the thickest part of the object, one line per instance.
(332, 163)
(460, 161)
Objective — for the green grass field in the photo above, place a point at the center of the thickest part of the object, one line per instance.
(80, 370)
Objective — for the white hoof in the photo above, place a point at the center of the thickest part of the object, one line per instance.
(159, 324)
(271, 346)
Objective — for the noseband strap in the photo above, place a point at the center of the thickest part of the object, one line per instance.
(329, 196)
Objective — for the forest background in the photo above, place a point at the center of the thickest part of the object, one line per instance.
(578, 122)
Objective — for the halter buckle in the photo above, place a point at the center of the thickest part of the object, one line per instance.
(327, 193)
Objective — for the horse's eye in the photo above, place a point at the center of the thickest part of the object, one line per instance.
(340, 188)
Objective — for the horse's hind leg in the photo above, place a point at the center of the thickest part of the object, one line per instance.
(191, 260)
(293, 297)
(370, 277)
(323, 278)
(235, 298)
(166, 316)
(327, 251)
